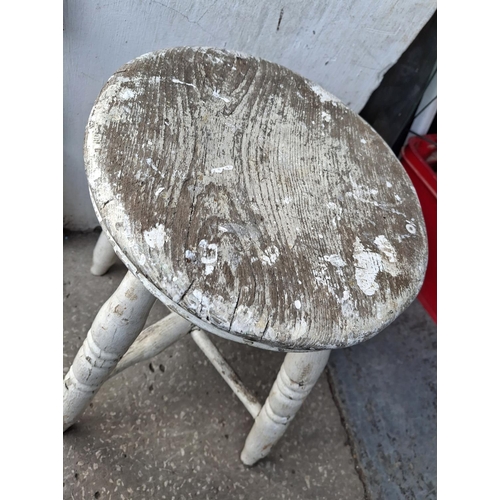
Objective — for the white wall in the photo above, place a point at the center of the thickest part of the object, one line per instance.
(345, 46)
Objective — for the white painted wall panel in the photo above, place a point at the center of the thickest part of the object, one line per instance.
(345, 46)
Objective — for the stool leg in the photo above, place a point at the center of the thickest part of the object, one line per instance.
(116, 326)
(103, 257)
(296, 378)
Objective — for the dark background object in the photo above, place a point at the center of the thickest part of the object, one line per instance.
(392, 106)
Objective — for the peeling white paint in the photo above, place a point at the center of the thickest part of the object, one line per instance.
(155, 237)
(410, 227)
(244, 320)
(175, 80)
(362, 193)
(96, 174)
(334, 206)
(335, 259)
(202, 299)
(336, 273)
(326, 116)
(324, 96)
(368, 264)
(346, 304)
(215, 59)
(367, 267)
(386, 248)
(363, 141)
(271, 255)
(219, 170)
(216, 94)
(209, 254)
(297, 304)
(191, 256)
(127, 94)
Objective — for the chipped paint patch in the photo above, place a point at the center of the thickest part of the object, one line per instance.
(410, 227)
(243, 320)
(96, 174)
(346, 304)
(270, 256)
(155, 237)
(180, 82)
(367, 266)
(335, 259)
(323, 95)
(217, 95)
(335, 206)
(127, 94)
(209, 253)
(189, 255)
(386, 248)
(202, 302)
(297, 304)
(219, 170)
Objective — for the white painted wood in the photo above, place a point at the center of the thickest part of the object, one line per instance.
(153, 340)
(324, 243)
(103, 256)
(160, 295)
(296, 378)
(346, 47)
(228, 374)
(113, 331)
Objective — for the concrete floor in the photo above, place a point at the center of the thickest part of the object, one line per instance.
(172, 429)
(386, 391)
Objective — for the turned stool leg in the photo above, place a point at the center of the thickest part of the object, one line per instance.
(113, 331)
(296, 378)
(103, 257)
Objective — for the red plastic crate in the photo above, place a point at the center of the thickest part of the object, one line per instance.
(419, 158)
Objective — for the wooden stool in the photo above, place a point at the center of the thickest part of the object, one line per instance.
(253, 204)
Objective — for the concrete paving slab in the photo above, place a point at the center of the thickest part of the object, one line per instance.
(386, 389)
(172, 429)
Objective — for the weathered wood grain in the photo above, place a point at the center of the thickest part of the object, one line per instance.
(253, 200)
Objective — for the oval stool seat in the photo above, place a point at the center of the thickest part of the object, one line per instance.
(252, 202)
